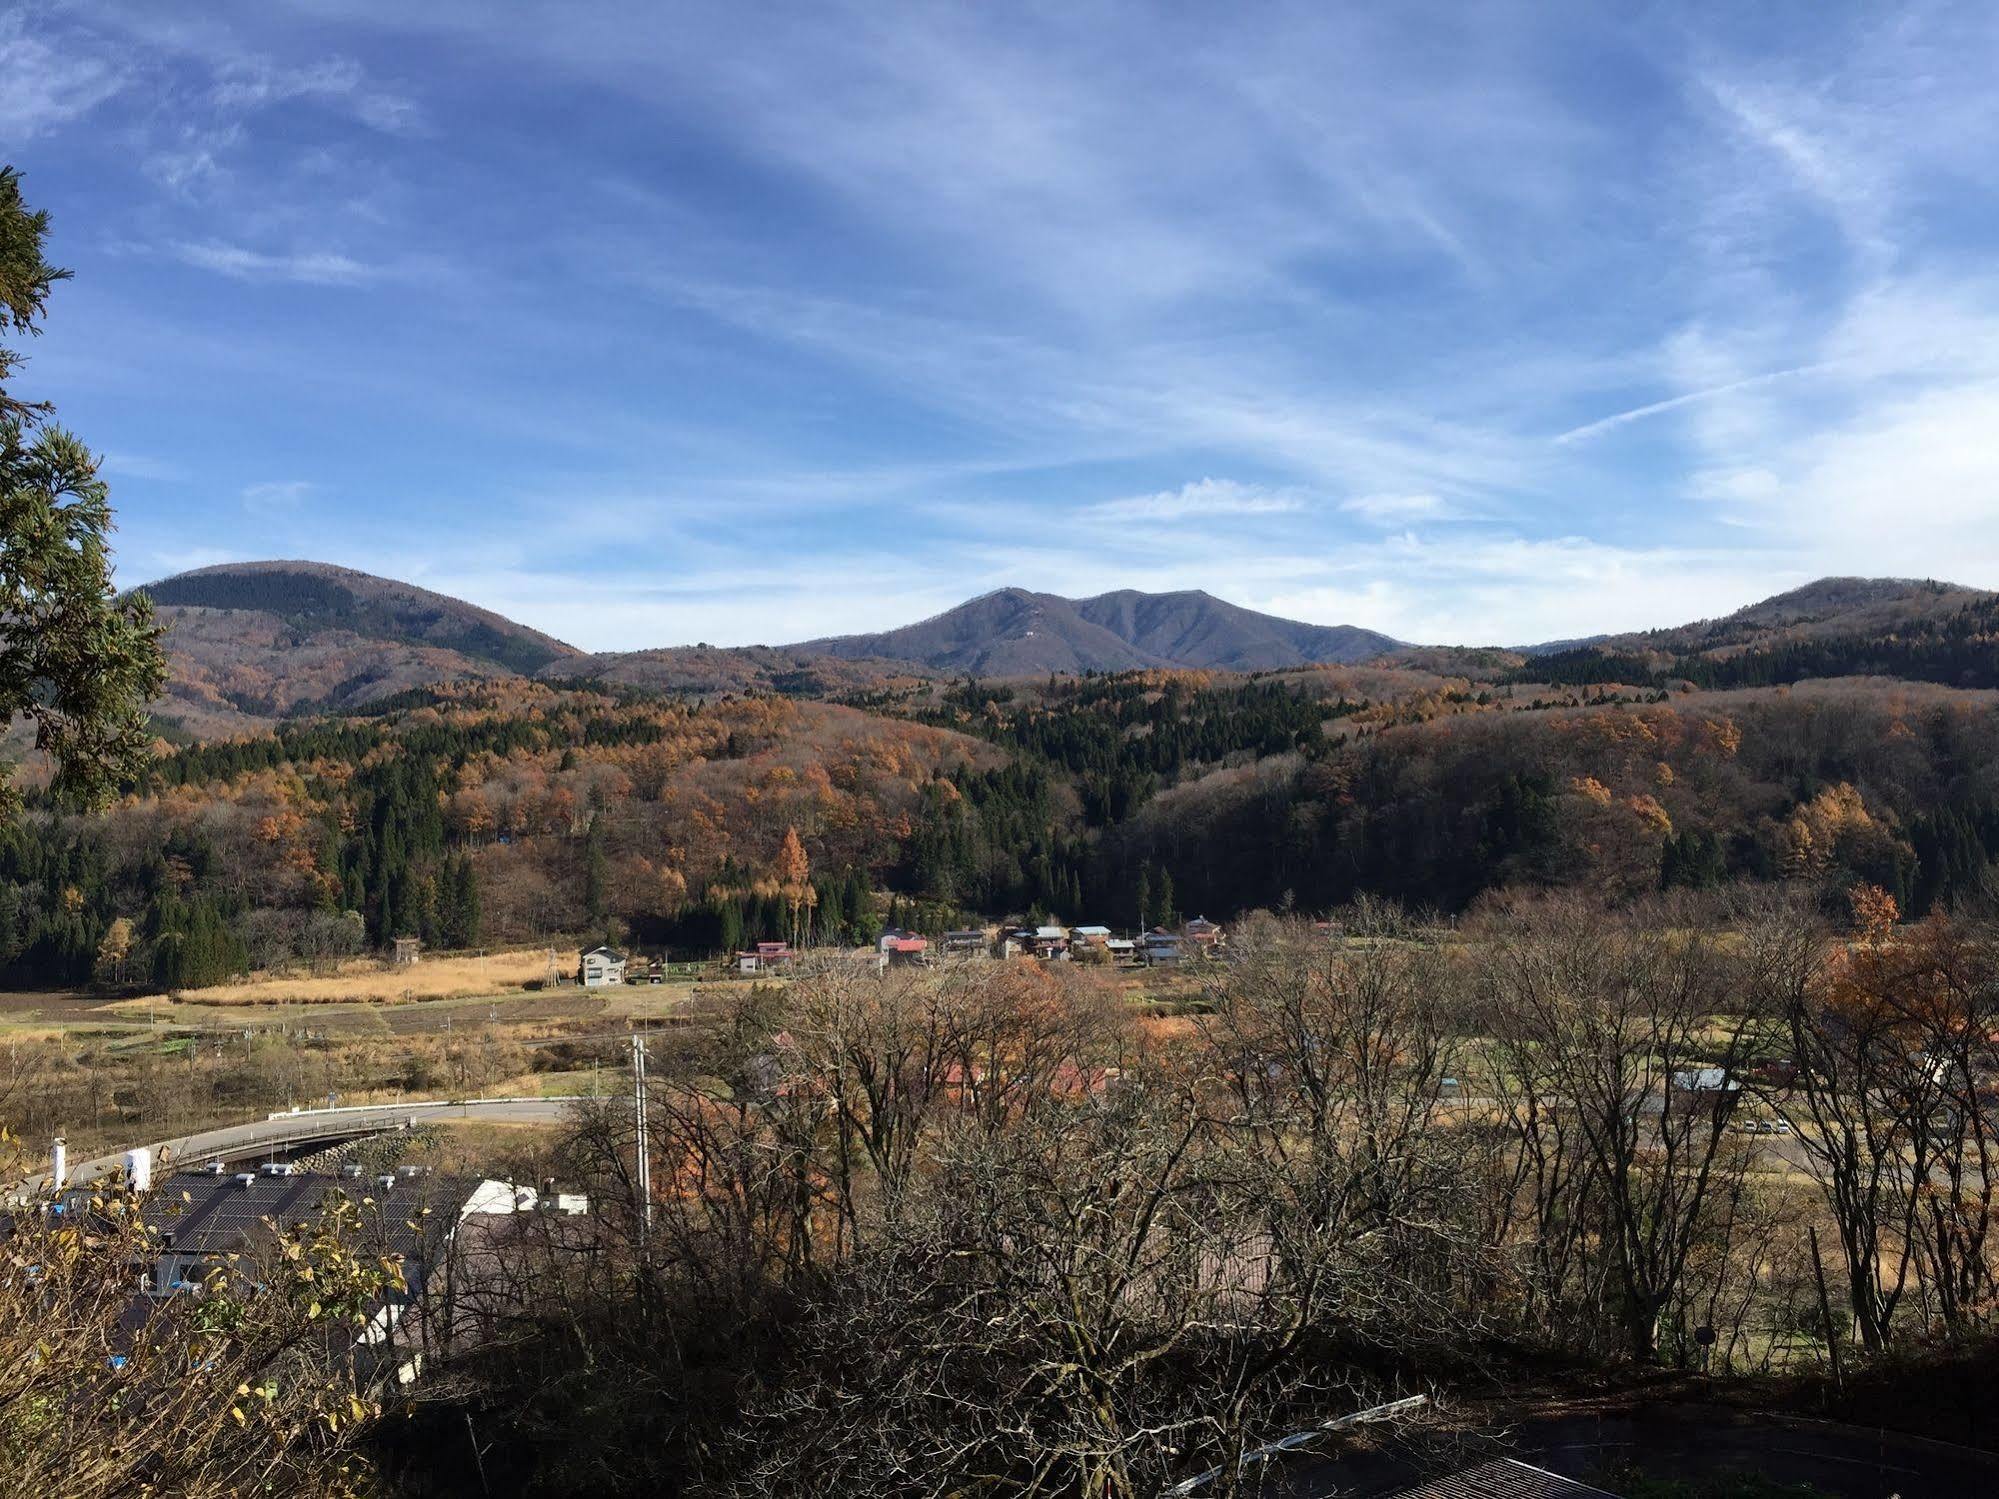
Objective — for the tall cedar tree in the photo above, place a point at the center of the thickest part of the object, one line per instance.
(77, 661)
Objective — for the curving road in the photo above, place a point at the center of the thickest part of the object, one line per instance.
(287, 1131)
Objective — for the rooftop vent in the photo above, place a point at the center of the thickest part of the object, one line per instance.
(246, 1178)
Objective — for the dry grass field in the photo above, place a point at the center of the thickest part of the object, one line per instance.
(370, 981)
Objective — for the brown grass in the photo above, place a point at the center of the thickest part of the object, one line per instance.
(369, 981)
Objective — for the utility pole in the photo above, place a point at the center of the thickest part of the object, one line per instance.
(645, 1148)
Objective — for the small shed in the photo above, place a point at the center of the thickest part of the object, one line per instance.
(909, 952)
(407, 949)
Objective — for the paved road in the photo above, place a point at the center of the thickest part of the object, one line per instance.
(238, 1142)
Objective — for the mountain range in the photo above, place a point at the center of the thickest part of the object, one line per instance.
(1830, 606)
(250, 642)
(253, 642)
(1011, 632)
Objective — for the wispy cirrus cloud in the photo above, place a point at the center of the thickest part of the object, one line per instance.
(309, 267)
(1200, 497)
(251, 82)
(1480, 322)
(193, 165)
(1399, 509)
(42, 88)
(277, 494)
(143, 466)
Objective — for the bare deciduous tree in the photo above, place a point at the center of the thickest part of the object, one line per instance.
(1636, 1034)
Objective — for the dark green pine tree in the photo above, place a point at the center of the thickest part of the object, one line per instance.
(731, 915)
(327, 898)
(78, 658)
(596, 875)
(192, 945)
(412, 907)
(859, 906)
(462, 920)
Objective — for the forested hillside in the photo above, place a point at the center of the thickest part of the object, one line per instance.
(1915, 632)
(1305, 790)
(512, 812)
(484, 807)
(477, 814)
(711, 670)
(1895, 787)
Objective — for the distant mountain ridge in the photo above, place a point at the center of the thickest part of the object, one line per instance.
(314, 597)
(250, 643)
(1843, 605)
(1016, 632)
(1908, 629)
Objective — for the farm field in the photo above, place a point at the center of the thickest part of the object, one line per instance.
(109, 1073)
(369, 981)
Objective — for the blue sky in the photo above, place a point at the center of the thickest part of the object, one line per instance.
(652, 324)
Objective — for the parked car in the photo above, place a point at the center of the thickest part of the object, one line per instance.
(1764, 1127)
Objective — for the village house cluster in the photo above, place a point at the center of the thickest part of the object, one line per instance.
(1161, 946)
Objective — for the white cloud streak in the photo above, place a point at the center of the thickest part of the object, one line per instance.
(308, 267)
(1197, 499)
(277, 494)
(1674, 403)
(42, 89)
(142, 466)
(1398, 509)
(1034, 268)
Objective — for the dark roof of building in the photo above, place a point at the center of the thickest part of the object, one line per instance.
(1504, 1479)
(200, 1213)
